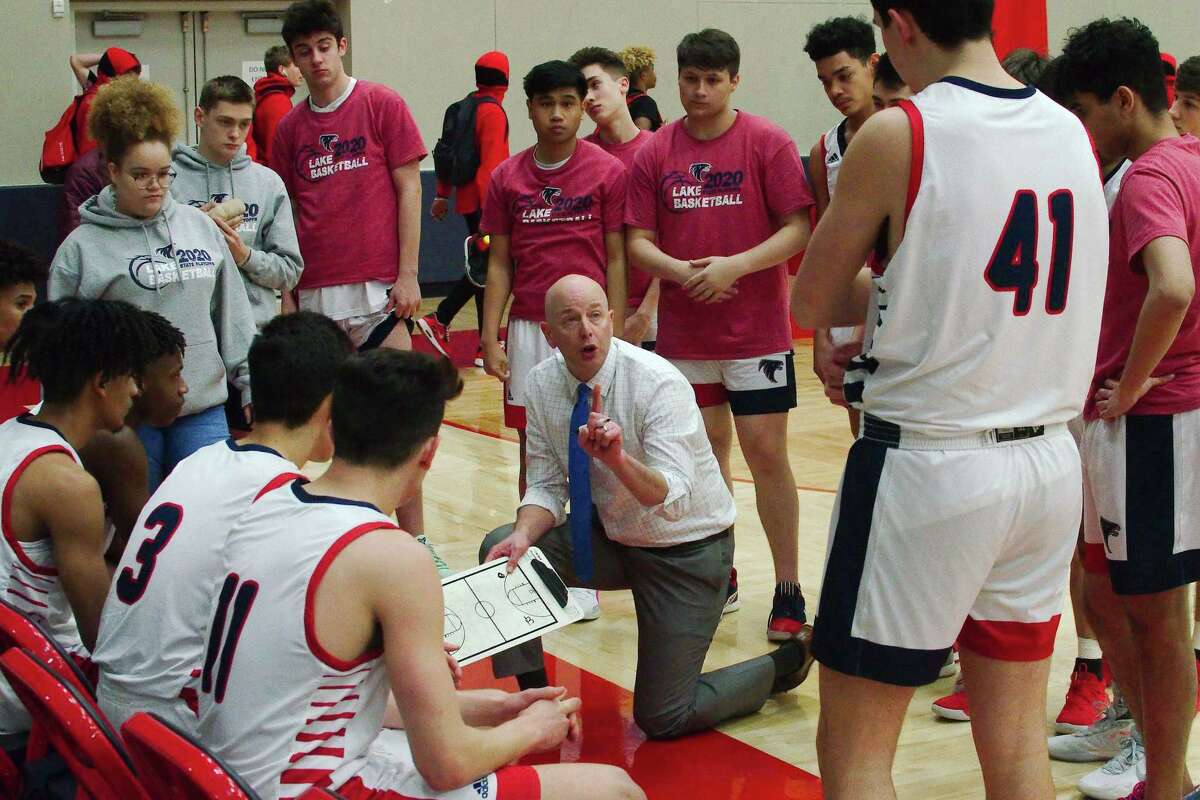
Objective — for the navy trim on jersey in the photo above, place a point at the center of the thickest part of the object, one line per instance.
(250, 448)
(833, 643)
(841, 136)
(1152, 565)
(1115, 170)
(305, 497)
(1024, 93)
(27, 419)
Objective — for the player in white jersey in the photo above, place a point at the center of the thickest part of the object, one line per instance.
(326, 604)
(85, 354)
(843, 52)
(960, 503)
(151, 641)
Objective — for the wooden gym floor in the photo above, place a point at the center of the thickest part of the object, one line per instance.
(472, 488)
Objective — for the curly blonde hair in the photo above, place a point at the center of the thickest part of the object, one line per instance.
(129, 111)
(638, 59)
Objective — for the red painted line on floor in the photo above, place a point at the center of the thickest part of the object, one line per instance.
(704, 766)
(493, 435)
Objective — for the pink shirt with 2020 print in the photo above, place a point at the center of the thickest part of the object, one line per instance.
(1160, 196)
(719, 198)
(555, 220)
(337, 167)
(639, 281)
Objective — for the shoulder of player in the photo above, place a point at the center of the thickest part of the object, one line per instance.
(56, 482)
(378, 557)
(886, 135)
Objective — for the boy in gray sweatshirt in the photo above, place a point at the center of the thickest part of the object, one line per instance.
(263, 245)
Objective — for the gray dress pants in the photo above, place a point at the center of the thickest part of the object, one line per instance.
(678, 593)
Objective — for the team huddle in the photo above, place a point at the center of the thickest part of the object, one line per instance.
(1025, 417)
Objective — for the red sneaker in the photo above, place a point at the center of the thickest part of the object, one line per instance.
(1087, 699)
(437, 333)
(787, 620)
(954, 705)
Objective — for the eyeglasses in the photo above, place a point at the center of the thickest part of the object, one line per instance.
(163, 179)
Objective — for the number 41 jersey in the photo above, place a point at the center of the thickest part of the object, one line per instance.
(151, 642)
(988, 313)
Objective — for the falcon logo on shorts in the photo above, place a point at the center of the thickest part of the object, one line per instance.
(700, 170)
(481, 788)
(770, 368)
(328, 140)
(219, 197)
(1110, 530)
(550, 194)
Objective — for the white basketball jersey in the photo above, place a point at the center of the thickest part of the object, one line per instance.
(27, 570)
(284, 714)
(1112, 183)
(989, 312)
(152, 628)
(833, 150)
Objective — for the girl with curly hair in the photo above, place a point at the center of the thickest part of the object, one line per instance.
(137, 244)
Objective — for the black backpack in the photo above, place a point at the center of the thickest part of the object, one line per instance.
(456, 156)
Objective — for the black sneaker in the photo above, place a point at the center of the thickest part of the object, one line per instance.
(793, 660)
(787, 620)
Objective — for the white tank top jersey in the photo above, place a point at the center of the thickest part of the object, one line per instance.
(29, 577)
(1112, 183)
(152, 629)
(284, 713)
(988, 313)
(833, 150)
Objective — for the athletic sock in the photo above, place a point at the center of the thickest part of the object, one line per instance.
(788, 588)
(537, 679)
(1092, 665)
(1088, 649)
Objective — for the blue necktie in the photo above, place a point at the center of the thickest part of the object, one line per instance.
(579, 481)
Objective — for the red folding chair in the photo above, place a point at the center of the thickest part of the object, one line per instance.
(77, 730)
(17, 629)
(171, 763)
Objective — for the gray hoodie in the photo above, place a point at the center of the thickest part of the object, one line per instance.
(267, 226)
(177, 264)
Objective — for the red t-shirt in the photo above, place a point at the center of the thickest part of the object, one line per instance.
(639, 281)
(337, 167)
(719, 198)
(16, 398)
(1160, 196)
(555, 220)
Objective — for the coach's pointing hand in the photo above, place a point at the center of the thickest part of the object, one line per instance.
(601, 438)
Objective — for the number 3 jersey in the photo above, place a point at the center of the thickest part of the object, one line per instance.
(151, 642)
(988, 313)
(283, 712)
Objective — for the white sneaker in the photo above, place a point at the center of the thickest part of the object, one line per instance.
(1117, 778)
(950, 667)
(1101, 742)
(588, 600)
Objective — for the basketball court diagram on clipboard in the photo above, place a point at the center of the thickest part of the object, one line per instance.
(488, 609)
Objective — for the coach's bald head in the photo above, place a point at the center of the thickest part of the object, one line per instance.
(579, 323)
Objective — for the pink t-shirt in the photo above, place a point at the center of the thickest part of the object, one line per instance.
(639, 281)
(555, 220)
(719, 198)
(1160, 196)
(337, 166)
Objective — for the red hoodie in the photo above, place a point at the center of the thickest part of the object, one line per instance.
(272, 99)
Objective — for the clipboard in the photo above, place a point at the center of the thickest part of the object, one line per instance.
(488, 609)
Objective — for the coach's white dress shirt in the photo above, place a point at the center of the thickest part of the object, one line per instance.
(662, 428)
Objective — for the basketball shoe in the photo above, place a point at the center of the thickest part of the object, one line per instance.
(731, 593)
(951, 665)
(1117, 779)
(1100, 742)
(437, 333)
(1087, 699)
(954, 706)
(588, 600)
(787, 620)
